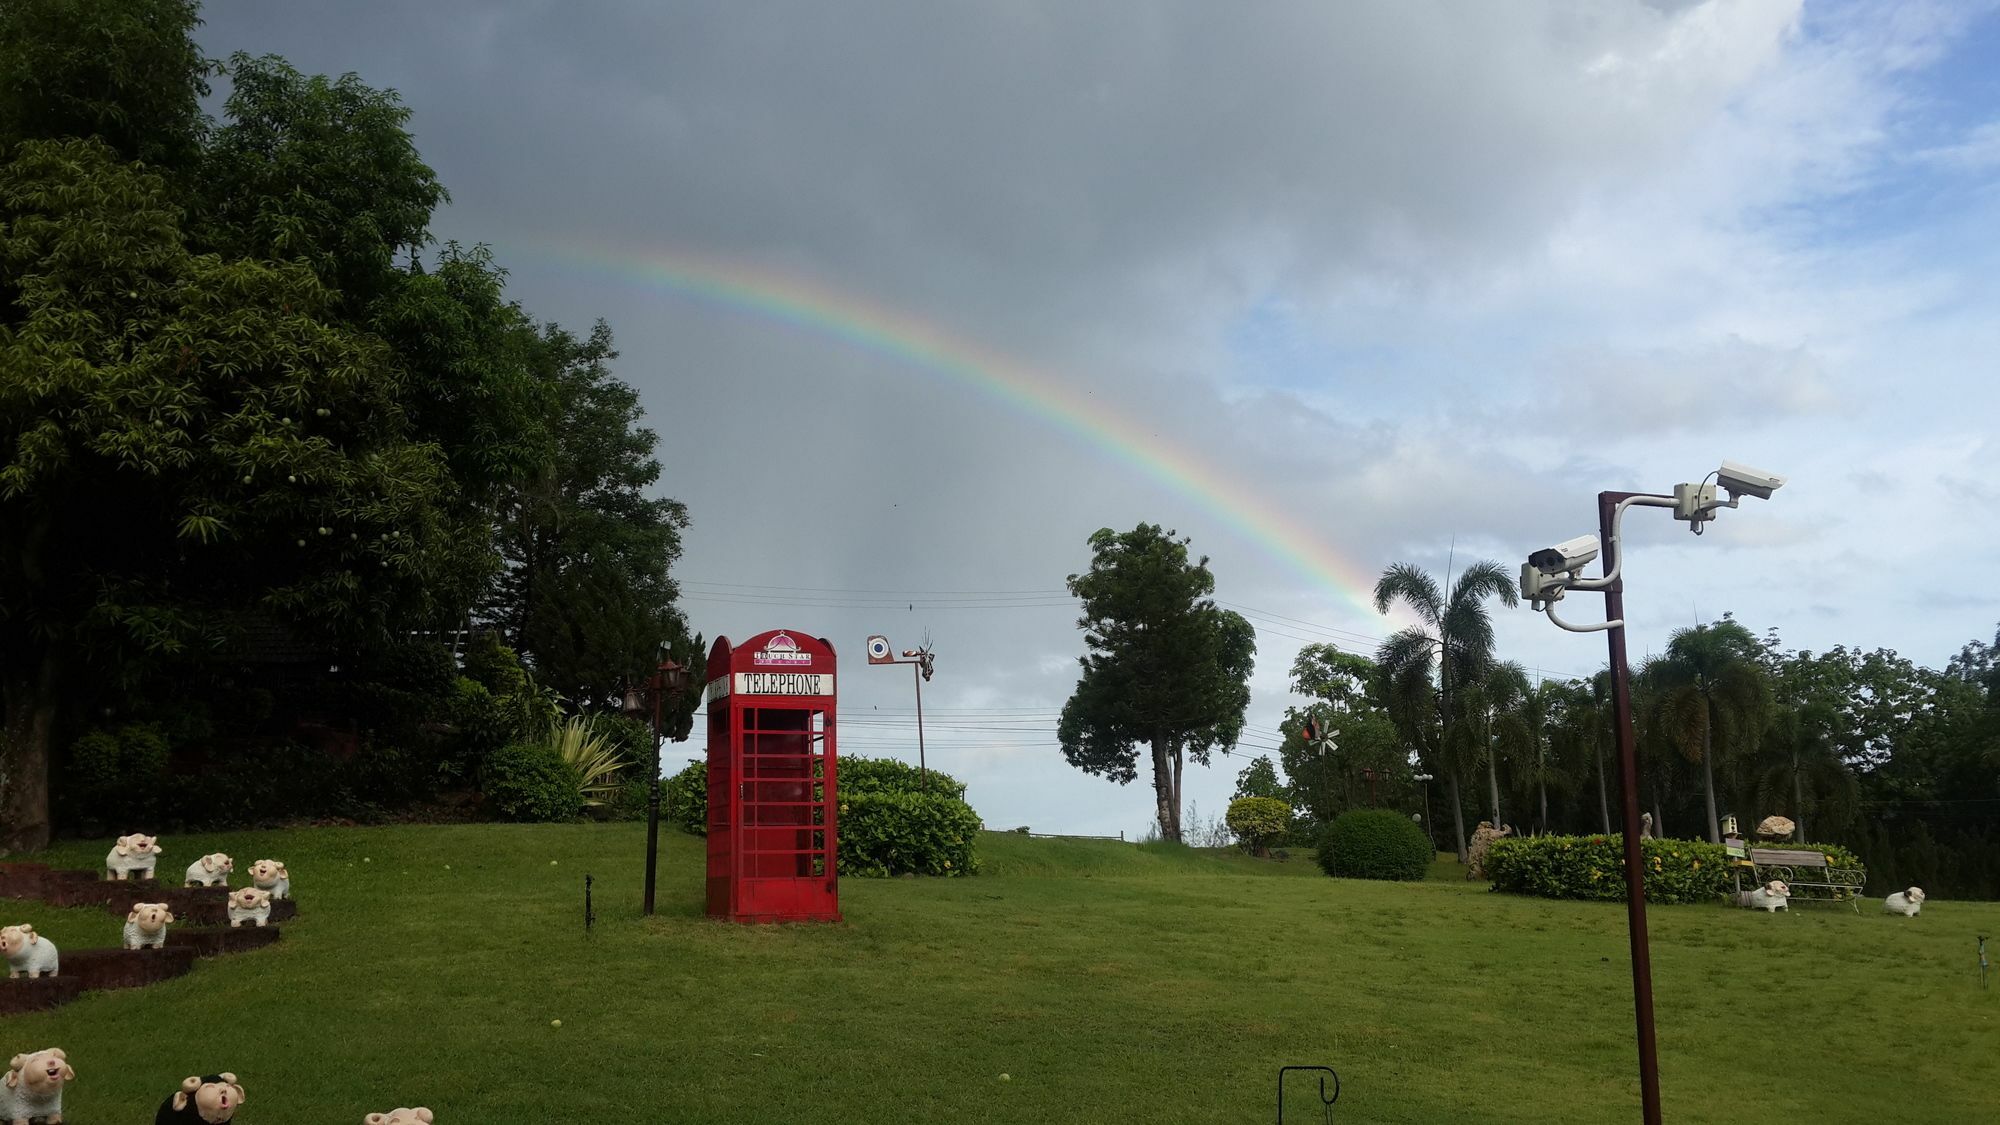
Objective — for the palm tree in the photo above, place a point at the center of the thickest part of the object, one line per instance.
(1800, 761)
(1530, 735)
(1454, 635)
(1487, 703)
(1586, 729)
(1714, 698)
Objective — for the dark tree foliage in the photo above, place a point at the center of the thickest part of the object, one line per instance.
(183, 440)
(1163, 667)
(233, 398)
(126, 72)
(587, 592)
(315, 170)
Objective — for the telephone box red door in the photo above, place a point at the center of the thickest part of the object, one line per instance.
(773, 828)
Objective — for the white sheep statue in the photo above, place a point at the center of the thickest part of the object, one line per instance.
(1908, 903)
(1773, 896)
(33, 1087)
(417, 1116)
(28, 953)
(132, 855)
(210, 871)
(147, 924)
(270, 875)
(249, 905)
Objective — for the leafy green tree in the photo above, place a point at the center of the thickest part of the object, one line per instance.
(318, 171)
(1799, 769)
(1260, 779)
(126, 72)
(1349, 705)
(184, 440)
(1453, 639)
(1163, 665)
(588, 592)
(1714, 699)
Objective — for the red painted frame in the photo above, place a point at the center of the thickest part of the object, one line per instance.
(773, 772)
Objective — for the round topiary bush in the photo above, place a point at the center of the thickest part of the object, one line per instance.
(532, 783)
(1374, 844)
(1259, 822)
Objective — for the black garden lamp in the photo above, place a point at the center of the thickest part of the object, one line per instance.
(668, 682)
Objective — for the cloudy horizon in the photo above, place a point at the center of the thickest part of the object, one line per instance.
(1407, 281)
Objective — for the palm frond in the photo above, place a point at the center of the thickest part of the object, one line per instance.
(1409, 584)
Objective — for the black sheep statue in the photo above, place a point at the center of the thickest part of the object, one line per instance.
(209, 1100)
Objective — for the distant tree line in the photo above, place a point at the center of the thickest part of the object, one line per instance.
(244, 395)
(1897, 761)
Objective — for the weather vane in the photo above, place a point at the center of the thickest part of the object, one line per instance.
(919, 660)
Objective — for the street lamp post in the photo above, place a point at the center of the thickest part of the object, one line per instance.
(667, 682)
(1549, 574)
(1428, 830)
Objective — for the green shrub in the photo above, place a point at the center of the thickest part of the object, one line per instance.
(684, 799)
(1593, 867)
(628, 801)
(1259, 822)
(114, 777)
(266, 785)
(1375, 844)
(884, 832)
(874, 775)
(525, 782)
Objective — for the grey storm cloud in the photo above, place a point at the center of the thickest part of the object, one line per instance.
(1423, 211)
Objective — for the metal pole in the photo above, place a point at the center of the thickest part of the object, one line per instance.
(923, 771)
(1628, 764)
(653, 800)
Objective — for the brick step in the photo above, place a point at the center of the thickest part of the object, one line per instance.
(127, 968)
(216, 941)
(26, 995)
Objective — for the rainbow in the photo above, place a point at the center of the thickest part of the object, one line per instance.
(852, 321)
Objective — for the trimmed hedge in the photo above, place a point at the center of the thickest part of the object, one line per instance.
(884, 832)
(1375, 844)
(1593, 867)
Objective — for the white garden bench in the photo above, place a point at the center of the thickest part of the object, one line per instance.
(1807, 873)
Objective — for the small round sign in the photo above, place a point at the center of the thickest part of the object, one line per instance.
(878, 648)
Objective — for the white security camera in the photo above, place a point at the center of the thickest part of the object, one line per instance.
(1742, 480)
(1537, 587)
(1566, 557)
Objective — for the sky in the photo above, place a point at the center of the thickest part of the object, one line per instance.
(920, 295)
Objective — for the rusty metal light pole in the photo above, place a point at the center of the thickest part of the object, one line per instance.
(1546, 576)
(668, 681)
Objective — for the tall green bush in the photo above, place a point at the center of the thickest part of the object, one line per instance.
(529, 782)
(116, 776)
(1375, 844)
(684, 799)
(885, 832)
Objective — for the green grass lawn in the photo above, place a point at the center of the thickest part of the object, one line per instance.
(1112, 982)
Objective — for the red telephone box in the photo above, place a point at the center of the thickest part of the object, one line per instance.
(773, 826)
